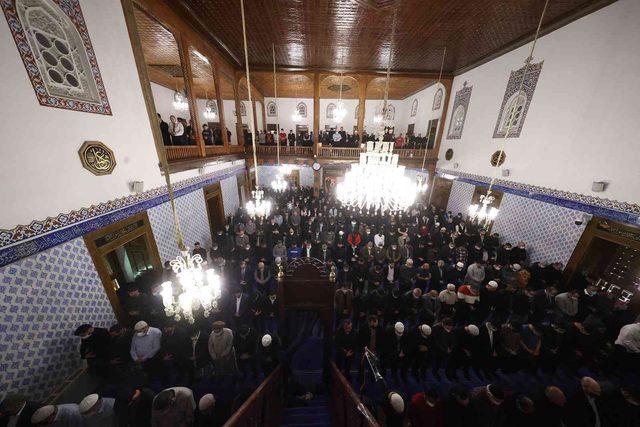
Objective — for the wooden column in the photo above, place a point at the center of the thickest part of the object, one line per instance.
(220, 102)
(362, 97)
(255, 120)
(447, 83)
(236, 97)
(191, 96)
(264, 116)
(316, 113)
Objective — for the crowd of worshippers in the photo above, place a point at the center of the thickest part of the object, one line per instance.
(426, 291)
(301, 139)
(180, 131)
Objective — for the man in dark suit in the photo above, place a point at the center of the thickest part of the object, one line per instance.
(585, 406)
(94, 348)
(164, 130)
(238, 307)
(437, 276)
(543, 303)
(16, 410)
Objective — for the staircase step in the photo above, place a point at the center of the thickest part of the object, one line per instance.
(307, 410)
(307, 425)
(308, 418)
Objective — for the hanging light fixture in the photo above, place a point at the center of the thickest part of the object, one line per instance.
(377, 181)
(259, 206)
(279, 184)
(340, 111)
(180, 101)
(210, 109)
(196, 289)
(484, 212)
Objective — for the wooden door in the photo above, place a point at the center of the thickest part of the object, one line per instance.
(410, 129)
(215, 207)
(103, 243)
(440, 192)
(295, 178)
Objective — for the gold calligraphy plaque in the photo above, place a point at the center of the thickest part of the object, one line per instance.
(97, 158)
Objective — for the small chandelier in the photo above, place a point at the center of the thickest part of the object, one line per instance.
(377, 181)
(340, 112)
(210, 111)
(259, 206)
(483, 211)
(296, 117)
(279, 184)
(197, 288)
(422, 183)
(180, 101)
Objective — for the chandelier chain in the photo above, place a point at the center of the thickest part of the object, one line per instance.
(251, 123)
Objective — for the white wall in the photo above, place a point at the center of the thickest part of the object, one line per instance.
(163, 100)
(582, 124)
(286, 108)
(41, 173)
(230, 119)
(349, 119)
(261, 125)
(425, 110)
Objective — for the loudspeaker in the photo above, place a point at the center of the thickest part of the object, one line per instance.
(137, 187)
(505, 172)
(598, 186)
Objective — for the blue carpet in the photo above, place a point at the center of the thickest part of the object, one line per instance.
(315, 414)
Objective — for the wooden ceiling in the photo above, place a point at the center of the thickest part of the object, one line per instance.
(356, 34)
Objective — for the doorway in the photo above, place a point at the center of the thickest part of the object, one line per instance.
(431, 131)
(410, 129)
(609, 252)
(271, 127)
(295, 178)
(302, 131)
(124, 253)
(215, 207)
(243, 188)
(440, 192)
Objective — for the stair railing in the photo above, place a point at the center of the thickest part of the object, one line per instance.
(264, 407)
(347, 409)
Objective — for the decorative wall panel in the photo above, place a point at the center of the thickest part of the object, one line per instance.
(459, 112)
(515, 106)
(53, 41)
(460, 197)
(230, 198)
(194, 224)
(44, 298)
(548, 230)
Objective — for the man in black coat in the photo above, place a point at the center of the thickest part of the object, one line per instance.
(585, 407)
(94, 348)
(245, 342)
(164, 130)
(173, 353)
(442, 343)
(346, 343)
(133, 407)
(395, 353)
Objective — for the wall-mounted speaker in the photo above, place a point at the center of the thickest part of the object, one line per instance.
(455, 166)
(598, 186)
(505, 172)
(137, 187)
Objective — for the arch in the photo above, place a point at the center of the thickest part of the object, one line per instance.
(437, 99)
(272, 109)
(457, 121)
(243, 109)
(212, 104)
(390, 114)
(302, 109)
(414, 108)
(512, 115)
(357, 112)
(58, 55)
(330, 109)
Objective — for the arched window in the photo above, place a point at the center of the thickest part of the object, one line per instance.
(243, 109)
(457, 122)
(512, 115)
(390, 113)
(330, 109)
(212, 105)
(355, 116)
(414, 108)
(437, 99)
(271, 109)
(302, 109)
(55, 48)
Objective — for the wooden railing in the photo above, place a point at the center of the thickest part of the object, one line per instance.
(347, 409)
(354, 153)
(215, 150)
(181, 152)
(272, 150)
(264, 406)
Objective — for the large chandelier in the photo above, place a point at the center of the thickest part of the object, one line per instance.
(180, 101)
(340, 112)
(196, 288)
(279, 184)
(422, 183)
(296, 117)
(377, 181)
(483, 211)
(259, 206)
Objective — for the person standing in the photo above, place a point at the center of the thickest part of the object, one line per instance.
(176, 129)
(207, 135)
(133, 407)
(94, 348)
(221, 349)
(145, 344)
(164, 131)
(65, 415)
(173, 407)
(16, 410)
(98, 411)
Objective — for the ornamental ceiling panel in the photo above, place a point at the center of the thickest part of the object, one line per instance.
(323, 34)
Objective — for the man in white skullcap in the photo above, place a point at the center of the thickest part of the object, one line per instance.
(395, 352)
(420, 344)
(448, 298)
(269, 353)
(393, 409)
(65, 415)
(97, 411)
(145, 344)
(207, 414)
(466, 340)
